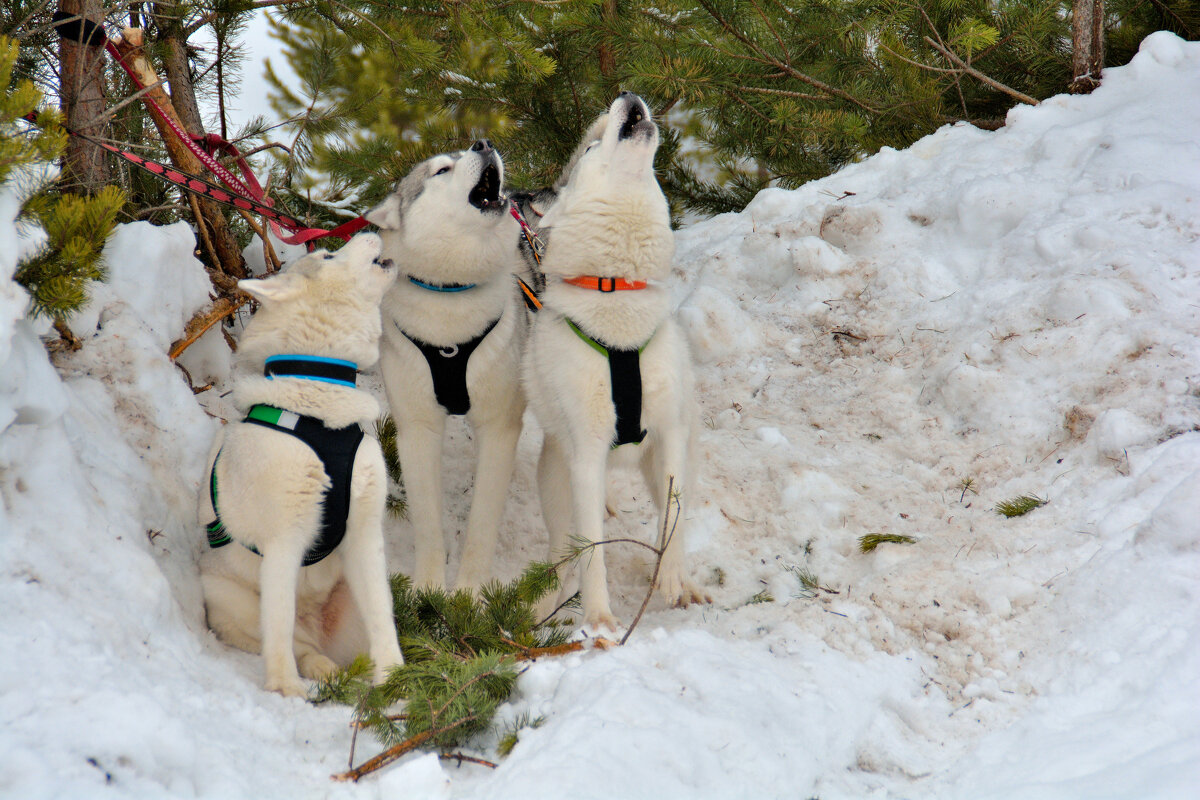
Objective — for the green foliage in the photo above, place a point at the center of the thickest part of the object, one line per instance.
(1019, 506)
(459, 659)
(760, 598)
(810, 584)
(512, 733)
(385, 432)
(20, 144)
(77, 227)
(56, 276)
(751, 93)
(501, 619)
(870, 541)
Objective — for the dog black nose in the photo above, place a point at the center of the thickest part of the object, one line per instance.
(482, 146)
(626, 93)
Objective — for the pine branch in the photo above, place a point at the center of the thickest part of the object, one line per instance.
(967, 68)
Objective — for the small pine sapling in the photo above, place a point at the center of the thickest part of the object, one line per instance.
(460, 656)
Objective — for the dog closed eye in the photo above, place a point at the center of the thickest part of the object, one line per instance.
(443, 169)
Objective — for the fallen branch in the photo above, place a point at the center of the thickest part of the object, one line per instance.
(532, 653)
(386, 757)
(460, 758)
(199, 324)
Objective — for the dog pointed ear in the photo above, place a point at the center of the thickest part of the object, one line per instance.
(273, 290)
(386, 215)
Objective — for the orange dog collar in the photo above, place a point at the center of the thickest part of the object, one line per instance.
(604, 284)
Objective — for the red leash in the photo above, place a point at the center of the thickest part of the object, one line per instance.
(244, 193)
(251, 191)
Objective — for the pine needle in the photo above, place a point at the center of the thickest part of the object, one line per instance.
(870, 541)
(1019, 506)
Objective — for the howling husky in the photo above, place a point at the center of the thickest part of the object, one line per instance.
(453, 333)
(607, 369)
(295, 491)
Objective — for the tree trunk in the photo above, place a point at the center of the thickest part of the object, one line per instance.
(187, 111)
(1087, 45)
(81, 84)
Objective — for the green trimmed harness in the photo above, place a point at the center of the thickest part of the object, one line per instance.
(335, 447)
(625, 372)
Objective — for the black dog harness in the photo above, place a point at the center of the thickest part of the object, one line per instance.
(625, 373)
(335, 447)
(448, 369)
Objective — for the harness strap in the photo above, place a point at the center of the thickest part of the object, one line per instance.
(313, 368)
(625, 373)
(335, 447)
(448, 369)
(605, 285)
(529, 295)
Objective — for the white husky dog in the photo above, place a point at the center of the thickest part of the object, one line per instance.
(453, 333)
(607, 369)
(297, 478)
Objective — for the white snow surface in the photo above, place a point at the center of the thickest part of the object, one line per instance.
(1018, 308)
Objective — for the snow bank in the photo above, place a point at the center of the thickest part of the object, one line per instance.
(893, 349)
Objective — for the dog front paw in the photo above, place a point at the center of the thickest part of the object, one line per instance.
(598, 618)
(288, 687)
(384, 667)
(315, 666)
(679, 592)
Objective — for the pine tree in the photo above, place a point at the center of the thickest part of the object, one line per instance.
(57, 274)
(771, 93)
(460, 652)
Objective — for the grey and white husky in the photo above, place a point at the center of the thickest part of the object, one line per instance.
(453, 333)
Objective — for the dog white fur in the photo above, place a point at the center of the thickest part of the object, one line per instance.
(446, 223)
(271, 486)
(610, 219)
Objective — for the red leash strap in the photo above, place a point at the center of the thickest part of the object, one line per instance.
(535, 244)
(248, 193)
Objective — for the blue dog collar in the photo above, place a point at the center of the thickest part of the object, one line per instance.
(441, 287)
(312, 368)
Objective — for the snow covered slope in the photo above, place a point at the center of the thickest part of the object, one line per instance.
(893, 349)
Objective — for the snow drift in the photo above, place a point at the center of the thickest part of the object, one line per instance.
(893, 349)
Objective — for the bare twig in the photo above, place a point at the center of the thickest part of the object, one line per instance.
(109, 112)
(460, 758)
(201, 225)
(672, 498)
(200, 323)
(269, 258)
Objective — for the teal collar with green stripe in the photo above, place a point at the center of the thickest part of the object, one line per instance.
(624, 369)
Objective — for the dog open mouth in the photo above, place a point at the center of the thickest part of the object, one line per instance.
(636, 123)
(486, 194)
